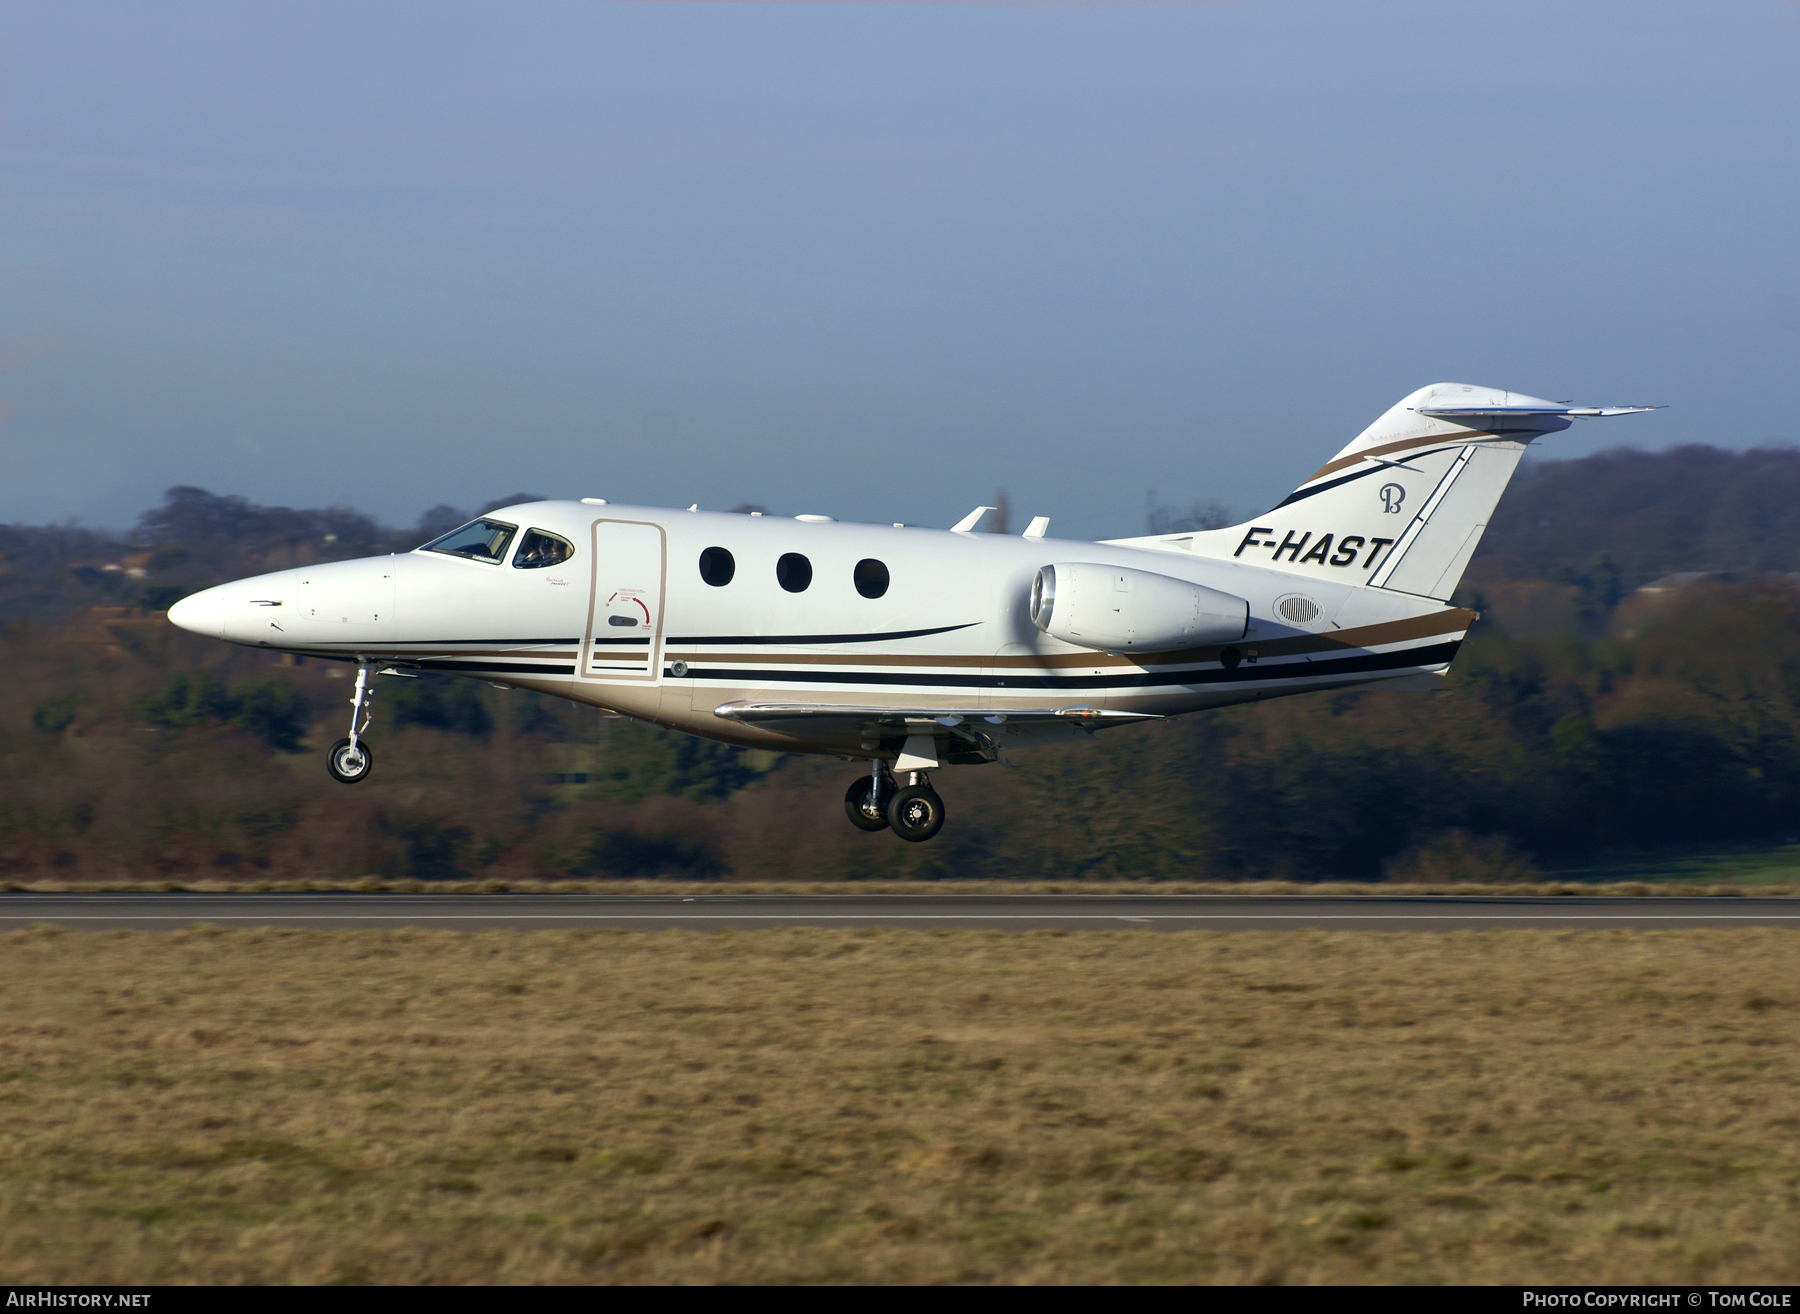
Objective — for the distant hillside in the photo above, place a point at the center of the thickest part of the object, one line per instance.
(1653, 513)
(193, 540)
(1603, 525)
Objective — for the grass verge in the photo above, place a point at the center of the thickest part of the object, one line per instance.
(869, 1105)
(1662, 884)
(1756, 868)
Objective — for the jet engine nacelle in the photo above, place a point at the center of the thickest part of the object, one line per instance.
(1117, 609)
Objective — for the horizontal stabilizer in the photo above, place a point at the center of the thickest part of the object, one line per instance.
(1578, 412)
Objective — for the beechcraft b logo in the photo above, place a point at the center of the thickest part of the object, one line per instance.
(1392, 495)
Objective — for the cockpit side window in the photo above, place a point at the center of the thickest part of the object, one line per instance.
(541, 548)
(479, 540)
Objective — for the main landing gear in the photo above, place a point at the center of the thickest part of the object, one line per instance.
(879, 802)
(349, 760)
(865, 802)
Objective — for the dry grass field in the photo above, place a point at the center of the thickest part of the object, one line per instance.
(850, 1105)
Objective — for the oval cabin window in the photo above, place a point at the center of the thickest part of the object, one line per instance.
(871, 578)
(793, 572)
(717, 567)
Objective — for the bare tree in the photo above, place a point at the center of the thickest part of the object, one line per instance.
(1159, 519)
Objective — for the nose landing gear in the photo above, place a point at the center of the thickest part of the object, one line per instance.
(877, 802)
(350, 760)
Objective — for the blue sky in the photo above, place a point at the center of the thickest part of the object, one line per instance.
(872, 261)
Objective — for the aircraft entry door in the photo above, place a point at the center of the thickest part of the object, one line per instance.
(625, 609)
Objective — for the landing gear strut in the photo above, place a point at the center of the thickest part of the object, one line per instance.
(349, 760)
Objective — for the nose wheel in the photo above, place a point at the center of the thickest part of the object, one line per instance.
(348, 762)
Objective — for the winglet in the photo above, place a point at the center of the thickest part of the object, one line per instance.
(969, 521)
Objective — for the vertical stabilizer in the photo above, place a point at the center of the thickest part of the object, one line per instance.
(1404, 505)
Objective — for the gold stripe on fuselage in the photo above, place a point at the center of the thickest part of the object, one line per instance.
(1451, 620)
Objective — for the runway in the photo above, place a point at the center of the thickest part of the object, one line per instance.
(924, 911)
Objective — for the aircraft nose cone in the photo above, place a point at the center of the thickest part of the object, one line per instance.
(201, 613)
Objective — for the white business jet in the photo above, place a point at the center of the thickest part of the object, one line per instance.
(919, 648)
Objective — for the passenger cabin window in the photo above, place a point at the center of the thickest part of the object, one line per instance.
(479, 540)
(540, 549)
(871, 578)
(793, 572)
(717, 567)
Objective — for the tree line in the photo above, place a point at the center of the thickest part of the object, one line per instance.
(1675, 725)
(1584, 718)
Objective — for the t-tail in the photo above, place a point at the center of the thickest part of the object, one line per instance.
(1403, 507)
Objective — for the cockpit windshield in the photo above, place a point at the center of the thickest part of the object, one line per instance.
(540, 548)
(479, 540)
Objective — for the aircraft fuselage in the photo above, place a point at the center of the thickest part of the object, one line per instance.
(951, 630)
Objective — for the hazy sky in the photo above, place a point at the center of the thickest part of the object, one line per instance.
(871, 261)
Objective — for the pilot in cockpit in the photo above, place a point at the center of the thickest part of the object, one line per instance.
(540, 549)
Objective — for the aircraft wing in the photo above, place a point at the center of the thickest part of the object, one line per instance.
(949, 718)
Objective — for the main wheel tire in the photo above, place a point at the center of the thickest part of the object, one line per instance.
(858, 809)
(349, 765)
(916, 813)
